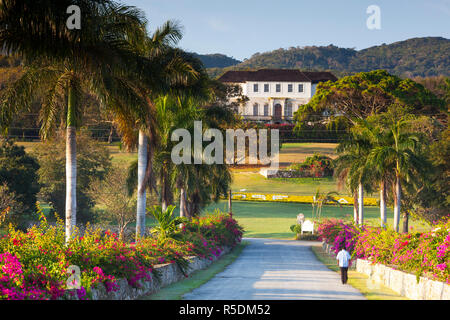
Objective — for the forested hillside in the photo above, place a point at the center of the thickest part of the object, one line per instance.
(216, 60)
(417, 57)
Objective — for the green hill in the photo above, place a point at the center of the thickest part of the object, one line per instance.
(417, 57)
(216, 60)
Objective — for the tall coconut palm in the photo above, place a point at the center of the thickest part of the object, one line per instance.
(381, 170)
(173, 71)
(352, 168)
(400, 151)
(99, 58)
(197, 184)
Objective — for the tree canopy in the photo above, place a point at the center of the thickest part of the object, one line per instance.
(364, 94)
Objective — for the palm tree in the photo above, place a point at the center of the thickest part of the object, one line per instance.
(320, 199)
(382, 170)
(196, 183)
(173, 71)
(352, 168)
(101, 58)
(399, 151)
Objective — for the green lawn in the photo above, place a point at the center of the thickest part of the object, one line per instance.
(255, 182)
(298, 152)
(273, 219)
(269, 219)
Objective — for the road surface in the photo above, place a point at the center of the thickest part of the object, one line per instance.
(270, 269)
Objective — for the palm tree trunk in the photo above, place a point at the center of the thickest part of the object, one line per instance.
(71, 167)
(406, 222)
(141, 195)
(164, 195)
(383, 204)
(361, 204)
(355, 207)
(111, 131)
(182, 202)
(397, 203)
(230, 210)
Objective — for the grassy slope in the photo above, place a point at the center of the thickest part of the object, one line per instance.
(369, 289)
(255, 182)
(273, 219)
(176, 290)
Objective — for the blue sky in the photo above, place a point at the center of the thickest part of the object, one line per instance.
(240, 28)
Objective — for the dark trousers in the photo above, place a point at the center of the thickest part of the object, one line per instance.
(344, 276)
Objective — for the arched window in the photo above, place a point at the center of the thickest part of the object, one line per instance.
(255, 109)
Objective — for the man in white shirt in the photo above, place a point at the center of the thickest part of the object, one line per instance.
(343, 258)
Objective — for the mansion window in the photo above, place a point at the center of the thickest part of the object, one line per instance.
(278, 87)
(266, 87)
(300, 88)
(255, 109)
(266, 110)
(255, 87)
(288, 110)
(289, 87)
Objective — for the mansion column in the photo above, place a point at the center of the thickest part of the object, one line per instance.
(271, 107)
(283, 107)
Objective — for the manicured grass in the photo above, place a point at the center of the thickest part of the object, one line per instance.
(119, 157)
(176, 290)
(371, 290)
(255, 182)
(298, 152)
(289, 153)
(273, 219)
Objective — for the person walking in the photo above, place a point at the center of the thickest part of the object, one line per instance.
(343, 258)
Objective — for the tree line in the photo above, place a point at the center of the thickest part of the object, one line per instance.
(141, 80)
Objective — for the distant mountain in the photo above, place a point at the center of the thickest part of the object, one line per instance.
(216, 60)
(415, 57)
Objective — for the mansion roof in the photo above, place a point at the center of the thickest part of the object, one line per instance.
(281, 75)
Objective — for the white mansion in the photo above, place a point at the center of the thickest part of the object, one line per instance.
(274, 94)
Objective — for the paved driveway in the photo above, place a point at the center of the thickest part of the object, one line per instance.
(270, 269)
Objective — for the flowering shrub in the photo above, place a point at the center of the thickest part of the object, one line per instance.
(216, 230)
(339, 234)
(35, 264)
(420, 253)
(317, 166)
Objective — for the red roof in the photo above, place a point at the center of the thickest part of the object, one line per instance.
(281, 75)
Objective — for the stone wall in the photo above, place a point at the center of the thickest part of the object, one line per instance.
(271, 173)
(401, 282)
(169, 273)
(404, 283)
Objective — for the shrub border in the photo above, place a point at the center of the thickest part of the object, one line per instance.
(401, 282)
(167, 274)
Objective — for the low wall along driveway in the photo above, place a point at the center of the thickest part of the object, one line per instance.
(169, 273)
(401, 282)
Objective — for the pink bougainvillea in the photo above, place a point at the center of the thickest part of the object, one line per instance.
(34, 264)
(425, 253)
